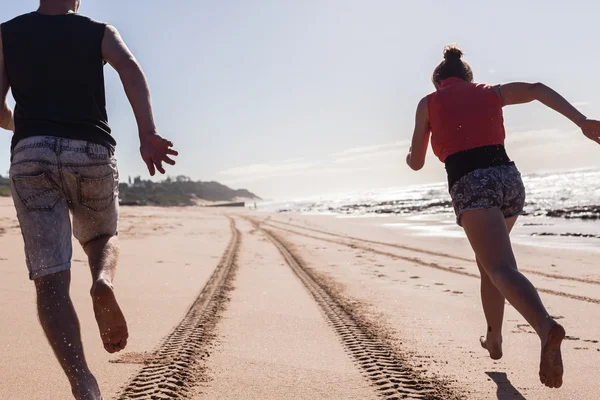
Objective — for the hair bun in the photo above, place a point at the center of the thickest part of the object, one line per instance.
(452, 52)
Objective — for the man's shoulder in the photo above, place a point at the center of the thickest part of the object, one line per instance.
(25, 18)
(90, 20)
(85, 23)
(19, 19)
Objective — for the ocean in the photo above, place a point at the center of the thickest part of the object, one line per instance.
(562, 205)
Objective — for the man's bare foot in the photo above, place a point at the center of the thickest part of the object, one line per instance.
(110, 318)
(86, 388)
(551, 366)
(493, 345)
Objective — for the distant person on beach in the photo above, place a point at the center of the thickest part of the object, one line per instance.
(62, 161)
(466, 126)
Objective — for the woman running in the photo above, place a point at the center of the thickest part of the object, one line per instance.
(466, 125)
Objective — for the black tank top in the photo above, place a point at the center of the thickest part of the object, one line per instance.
(56, 73)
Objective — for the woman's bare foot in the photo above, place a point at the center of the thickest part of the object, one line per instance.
(493, 345)
(110, 318)
(551, 366)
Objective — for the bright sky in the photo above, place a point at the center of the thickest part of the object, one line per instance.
(299, 98)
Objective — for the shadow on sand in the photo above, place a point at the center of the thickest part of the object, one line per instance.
(506, 390)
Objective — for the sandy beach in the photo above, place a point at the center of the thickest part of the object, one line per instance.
(227, 304)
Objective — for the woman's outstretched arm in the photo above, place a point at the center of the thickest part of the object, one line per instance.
(520, 93)
(420, 141)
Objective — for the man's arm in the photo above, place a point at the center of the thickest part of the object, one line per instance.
(6, 114)
(154, 149)
(420, 141)
(520, 93)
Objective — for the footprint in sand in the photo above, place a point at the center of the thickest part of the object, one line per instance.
(457, 292)
(415, 277)
(571, 338)
(590, 341)
(439, 284)
(524, 328)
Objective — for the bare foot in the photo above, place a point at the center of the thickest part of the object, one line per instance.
(110, 318)
(493, 346)
(551, 366)
(86, 389)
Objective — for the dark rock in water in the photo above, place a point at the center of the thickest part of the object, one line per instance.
(386, 211)
(567, 234)
(583, 212)
(401, 207)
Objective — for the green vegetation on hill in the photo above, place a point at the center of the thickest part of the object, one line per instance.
(179, 191)
(4, 187)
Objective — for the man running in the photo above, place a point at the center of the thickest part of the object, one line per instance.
(62, 161)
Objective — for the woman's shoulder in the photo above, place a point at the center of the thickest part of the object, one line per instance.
(481, 85)
(488, 88)
(489, 92)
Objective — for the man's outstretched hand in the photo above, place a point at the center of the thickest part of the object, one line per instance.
(155, 150)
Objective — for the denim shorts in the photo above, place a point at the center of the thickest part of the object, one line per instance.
(495, 187)
(51, 178)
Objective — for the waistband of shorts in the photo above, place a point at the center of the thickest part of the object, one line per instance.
(58, 145)
(465, 162)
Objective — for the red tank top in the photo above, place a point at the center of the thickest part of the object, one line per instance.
(464, 116)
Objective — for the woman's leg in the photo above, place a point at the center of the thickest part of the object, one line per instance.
(493, 307)
(489, 236)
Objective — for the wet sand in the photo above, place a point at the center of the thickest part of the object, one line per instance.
(300, 307)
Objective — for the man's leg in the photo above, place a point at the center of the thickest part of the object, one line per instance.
(493, 307)
(43, 212)
(61, 326)
(103, 254)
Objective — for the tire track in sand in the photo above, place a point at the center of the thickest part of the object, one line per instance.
(377, 359)
(270, 222)
(173, 369)
(432, 264)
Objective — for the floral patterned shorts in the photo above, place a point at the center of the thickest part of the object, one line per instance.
(496, 187)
